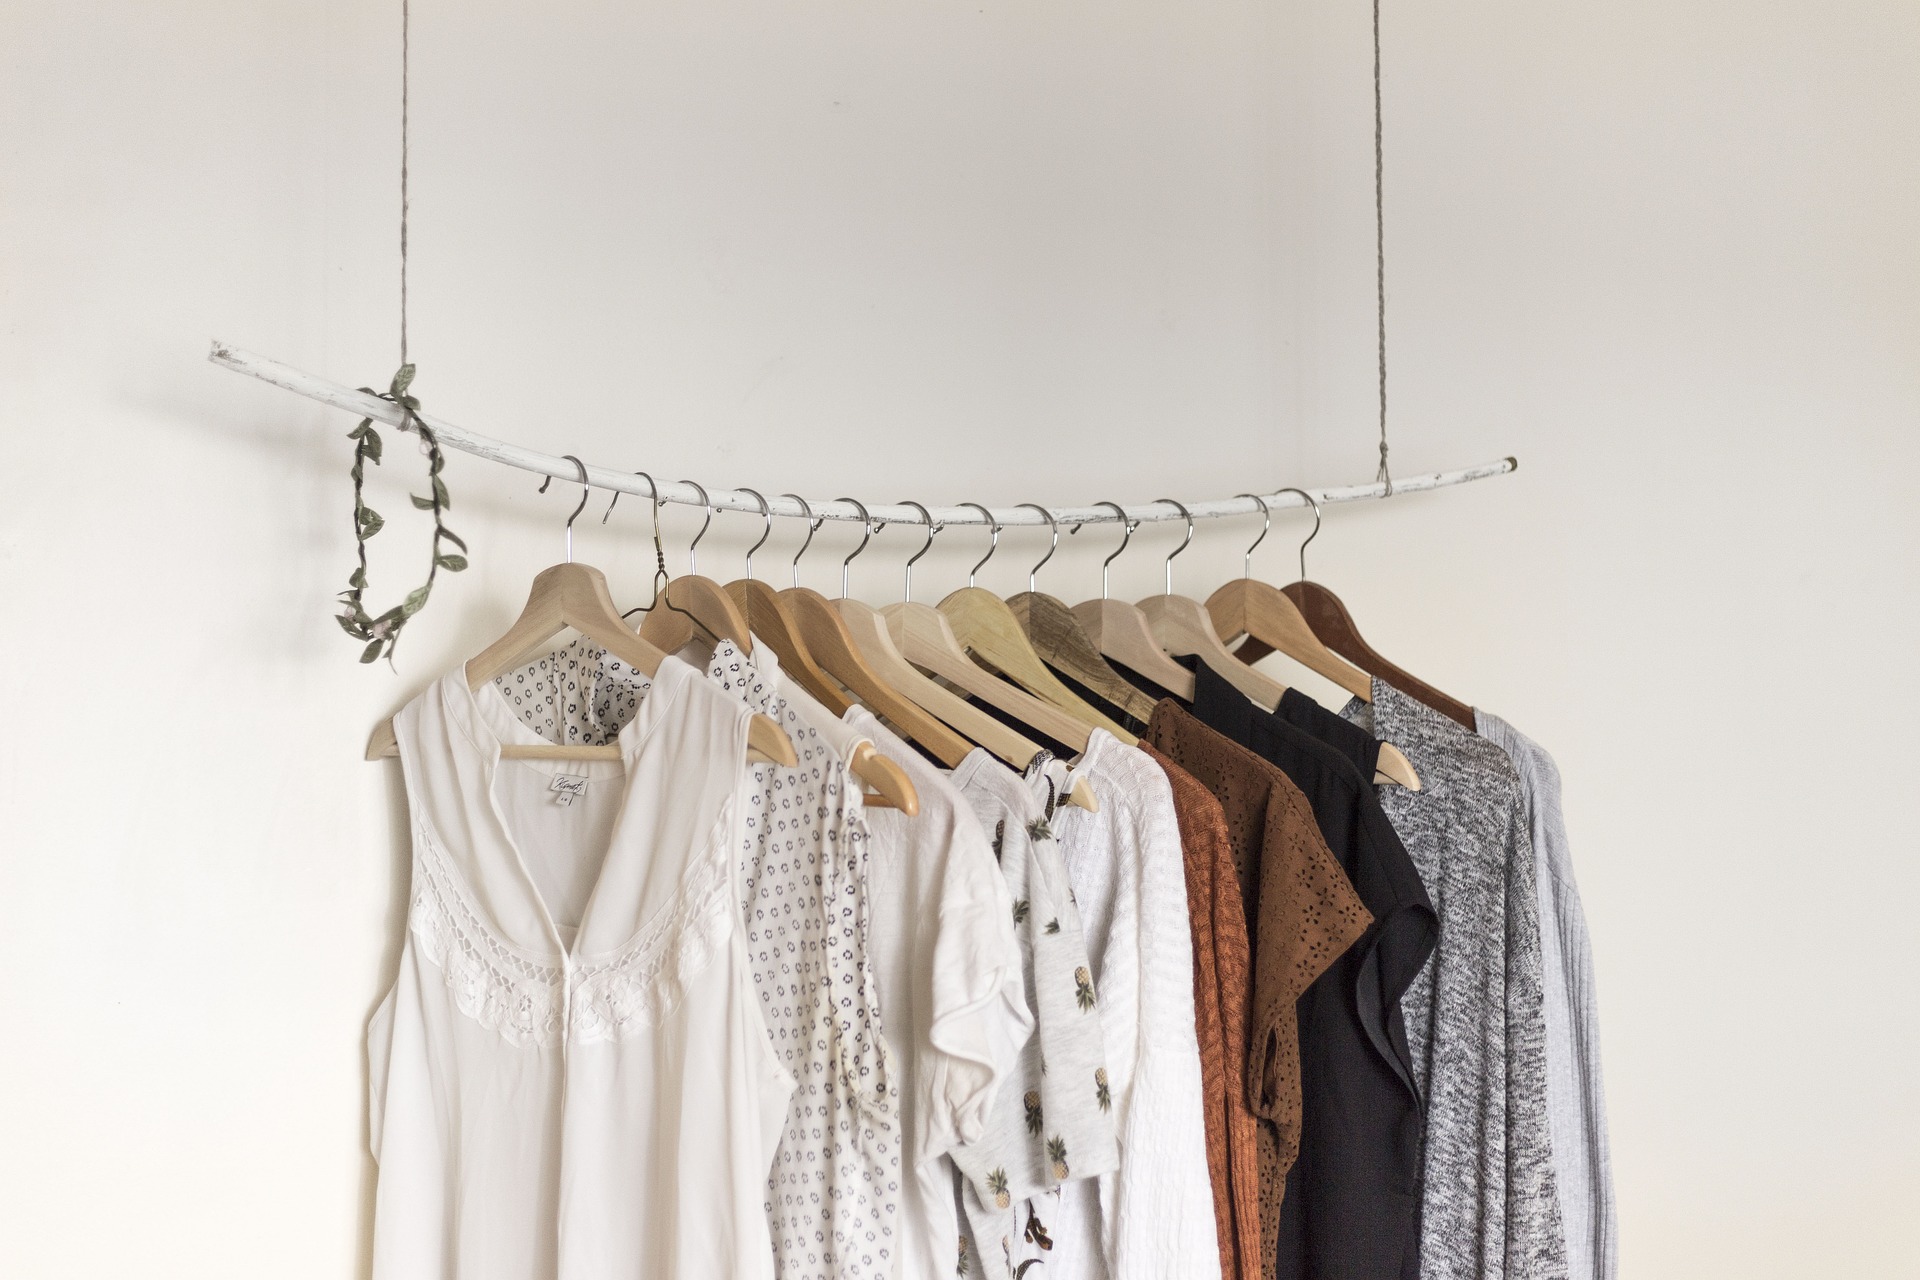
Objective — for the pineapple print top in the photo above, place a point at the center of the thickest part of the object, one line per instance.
(573, 1002)
(1052, 1119)
(833, 1193)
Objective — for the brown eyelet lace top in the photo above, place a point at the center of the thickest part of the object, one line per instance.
(1301, 914)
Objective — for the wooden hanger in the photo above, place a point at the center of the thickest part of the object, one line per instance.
(575, 595)
(922, 635)
(872, 636)
(694, 606)
(1248, 607)
(985, 628)
(891, 788)
(1331, 622)
(1183, 629)
(1334, 626)
(1066, 647)
(833, 645)
(771, 619)
(1120, 631)
(826, 636)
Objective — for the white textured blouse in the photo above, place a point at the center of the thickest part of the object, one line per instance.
(571, 1078)
(1152, 1218)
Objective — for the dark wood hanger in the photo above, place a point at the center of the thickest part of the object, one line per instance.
(1335, 627)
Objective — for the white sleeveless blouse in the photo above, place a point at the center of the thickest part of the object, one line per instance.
(570, 1078)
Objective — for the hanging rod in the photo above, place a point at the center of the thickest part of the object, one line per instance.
(363, 405)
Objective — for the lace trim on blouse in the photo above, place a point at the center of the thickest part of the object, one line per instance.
(615, 997)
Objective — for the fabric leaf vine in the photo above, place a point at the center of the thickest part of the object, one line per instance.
(380, 634)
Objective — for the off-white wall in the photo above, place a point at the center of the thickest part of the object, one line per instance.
(1664, 253)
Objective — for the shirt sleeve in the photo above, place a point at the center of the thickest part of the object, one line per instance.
(1158, 1206)
(979, 1015)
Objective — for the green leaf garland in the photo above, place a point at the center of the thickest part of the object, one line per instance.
(381, 633)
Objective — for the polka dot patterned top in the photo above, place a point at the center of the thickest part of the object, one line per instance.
(833, 1192)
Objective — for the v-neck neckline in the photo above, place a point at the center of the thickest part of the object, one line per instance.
(493, 724)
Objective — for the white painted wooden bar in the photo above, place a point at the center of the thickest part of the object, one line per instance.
(362, 405)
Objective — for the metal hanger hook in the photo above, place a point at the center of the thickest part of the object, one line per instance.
(660, 575)
(813, 526)
(906, 591)
(1315, 504)
(693, 559)
(1266, 514)
(995, 546)
(1179, 506)
(870, 527)
(1051, 524)
(766, 513)
(585, 489)
(1127, 526)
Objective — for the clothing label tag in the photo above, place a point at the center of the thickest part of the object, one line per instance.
(568, 787)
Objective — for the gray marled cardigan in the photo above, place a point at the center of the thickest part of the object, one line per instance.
(1489, 1209)
(1576, 1102)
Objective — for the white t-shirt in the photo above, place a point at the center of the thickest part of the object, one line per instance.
(1152, 1218)
(952, 994)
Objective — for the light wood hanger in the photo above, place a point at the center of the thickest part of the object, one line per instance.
(1184, 630)
(576, 595)
(890, 786)
(1120, 631)
(985, 629)
(922, 635)
(1259, 610)
(694, 605)
(831, 644)
(771, 619)
(763, 608)
(875, 641)
(1065, 646)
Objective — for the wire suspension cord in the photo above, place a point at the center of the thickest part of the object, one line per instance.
(406, 69)
(1383, 476)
